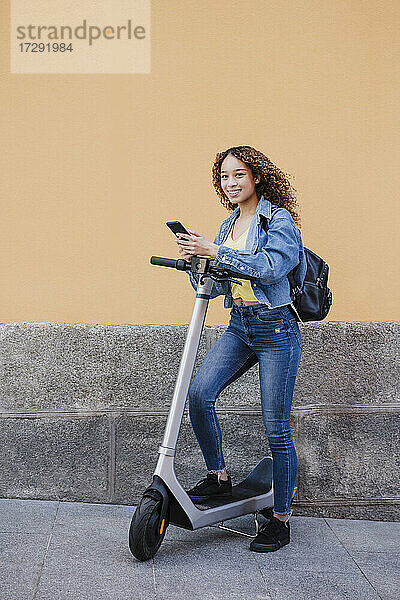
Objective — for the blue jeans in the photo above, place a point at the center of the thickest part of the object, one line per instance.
(271, 337)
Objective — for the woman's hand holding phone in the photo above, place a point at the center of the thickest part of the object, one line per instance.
(195, 244)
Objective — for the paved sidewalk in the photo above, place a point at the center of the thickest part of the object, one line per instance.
(70, 550)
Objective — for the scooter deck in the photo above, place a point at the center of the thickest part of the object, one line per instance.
(258, 482)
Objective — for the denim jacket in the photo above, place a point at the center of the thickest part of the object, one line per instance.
(268, 256)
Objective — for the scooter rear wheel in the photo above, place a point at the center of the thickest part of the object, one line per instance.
(146, 532)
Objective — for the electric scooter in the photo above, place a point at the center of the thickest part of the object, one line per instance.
(165, 501)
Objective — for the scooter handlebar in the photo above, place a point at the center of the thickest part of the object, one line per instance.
(179, 264)
(219, 273)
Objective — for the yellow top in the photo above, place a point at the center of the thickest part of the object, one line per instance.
(240, 291)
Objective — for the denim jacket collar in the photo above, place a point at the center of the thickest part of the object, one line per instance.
(263, 208)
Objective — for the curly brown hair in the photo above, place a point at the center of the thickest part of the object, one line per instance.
(274, 184)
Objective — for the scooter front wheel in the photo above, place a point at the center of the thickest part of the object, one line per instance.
(146, 532)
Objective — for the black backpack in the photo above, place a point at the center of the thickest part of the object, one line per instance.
(313, 301)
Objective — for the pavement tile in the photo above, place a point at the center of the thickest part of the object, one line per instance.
(71, 578)
(87, 516)
(27, 516)
(382, 570)
(312, 542)
(205, 570)
(21, 556)
(313, 546)
(370, 536)
(89, 557)
(295, 585)
(177, 534)
(92, 531)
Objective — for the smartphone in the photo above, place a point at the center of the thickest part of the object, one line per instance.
(176, 227)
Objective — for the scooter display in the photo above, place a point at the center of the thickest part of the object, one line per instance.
(165, 501)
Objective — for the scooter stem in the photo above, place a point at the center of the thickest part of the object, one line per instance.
(186, 367)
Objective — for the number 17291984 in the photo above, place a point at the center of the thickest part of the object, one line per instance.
(42, 47)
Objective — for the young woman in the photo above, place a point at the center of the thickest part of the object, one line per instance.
(259, 238)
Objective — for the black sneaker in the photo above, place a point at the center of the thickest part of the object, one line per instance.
(272, 535)
(210, 488)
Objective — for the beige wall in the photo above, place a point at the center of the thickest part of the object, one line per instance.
(93, 165)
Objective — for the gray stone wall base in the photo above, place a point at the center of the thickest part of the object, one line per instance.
(83, 409)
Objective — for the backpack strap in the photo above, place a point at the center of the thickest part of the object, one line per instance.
(293, 290)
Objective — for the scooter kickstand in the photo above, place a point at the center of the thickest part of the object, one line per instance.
(256, 522)
(251, 535)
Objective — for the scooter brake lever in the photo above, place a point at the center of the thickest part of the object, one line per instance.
(234, 281)
(222, 279)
